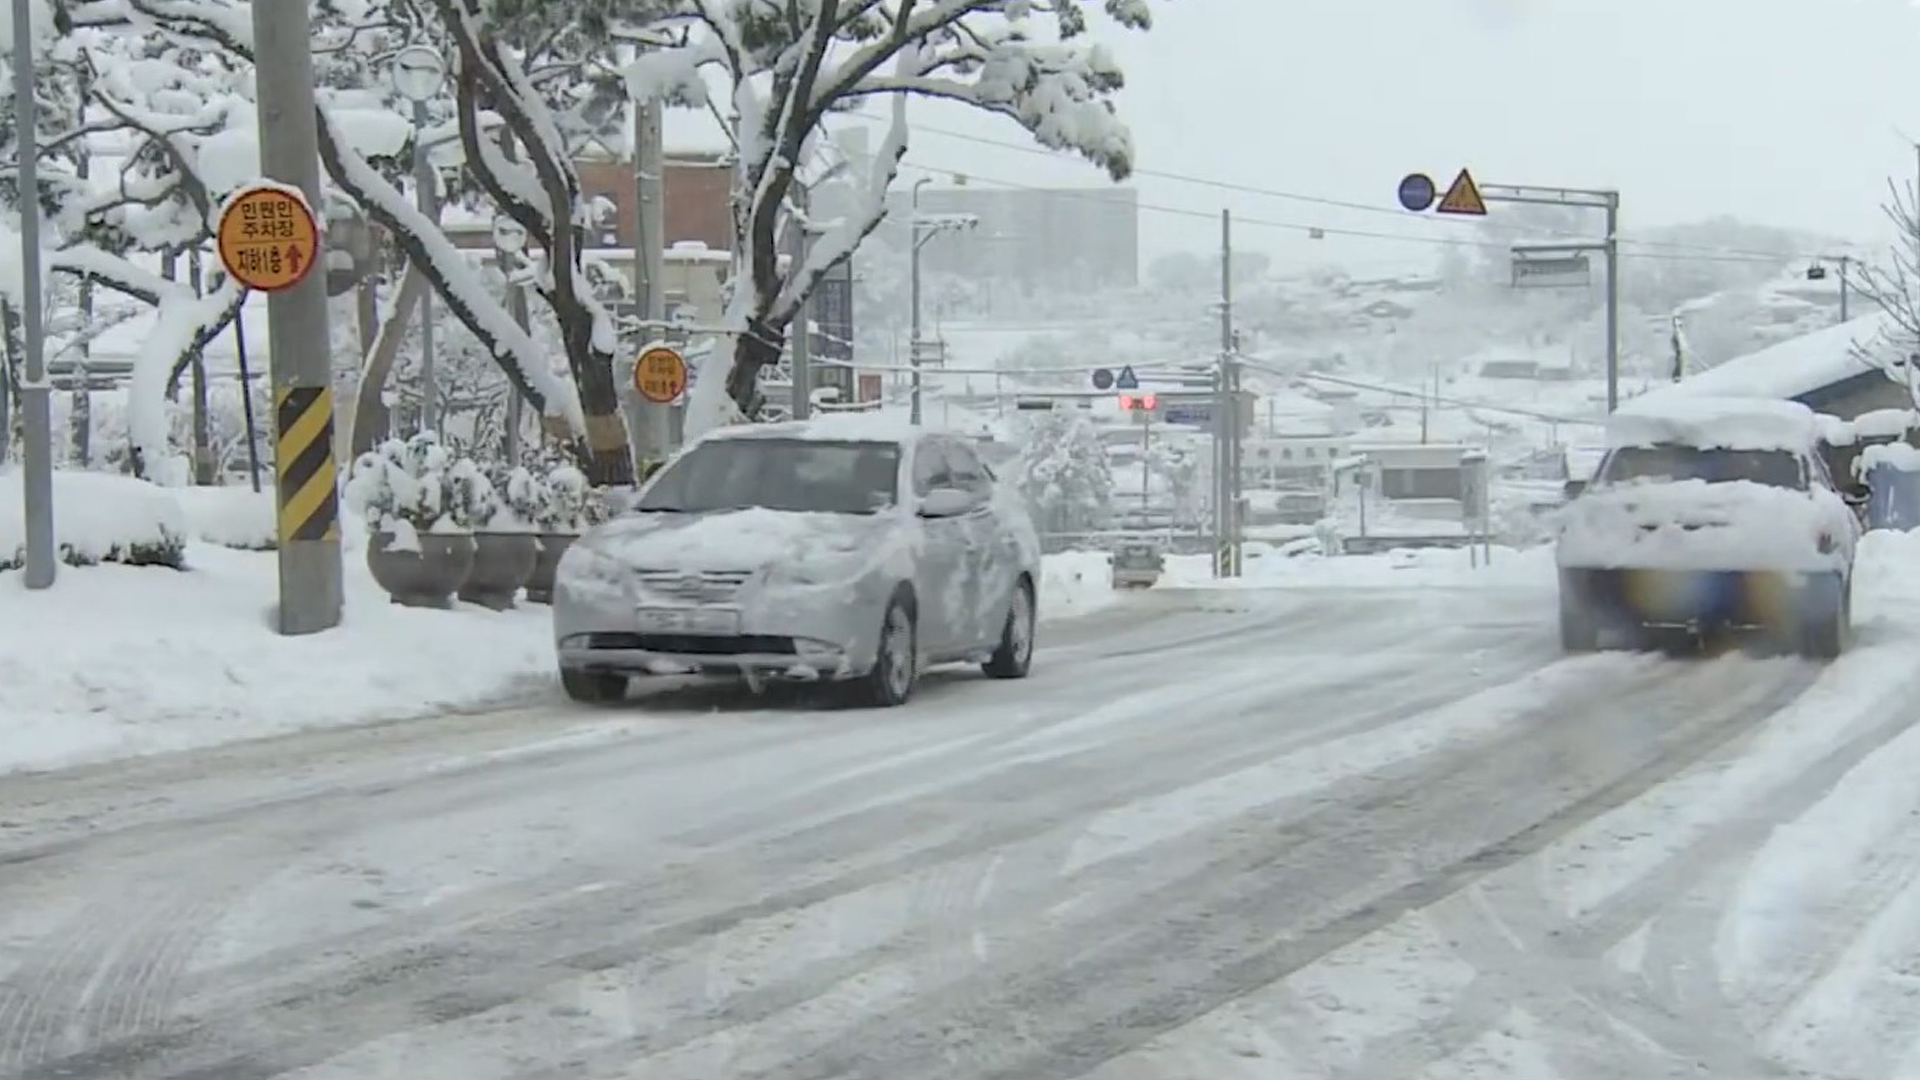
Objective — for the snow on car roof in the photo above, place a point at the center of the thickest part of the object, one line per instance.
(833, 427)
(1720, 423)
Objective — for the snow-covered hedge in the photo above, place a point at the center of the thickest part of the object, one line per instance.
(98, 518)
(232, 516)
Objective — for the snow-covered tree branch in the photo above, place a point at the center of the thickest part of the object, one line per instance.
(783, 66)
(1894, 288)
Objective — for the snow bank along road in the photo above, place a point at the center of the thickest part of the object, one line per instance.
(1368, 833)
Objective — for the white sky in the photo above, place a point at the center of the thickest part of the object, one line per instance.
(1787, 112)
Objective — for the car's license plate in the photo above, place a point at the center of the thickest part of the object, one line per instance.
(714, 622)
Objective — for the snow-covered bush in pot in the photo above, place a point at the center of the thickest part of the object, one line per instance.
(408, 487)
(520, 501)
(471, 501)
(571, 503)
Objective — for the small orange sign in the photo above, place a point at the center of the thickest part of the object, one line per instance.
(268, 239)
(660, 375)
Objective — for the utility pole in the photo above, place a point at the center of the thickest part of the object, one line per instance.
(913, 293)
(800, 334)
(653, 431)
(310, 593)
(1226, 425)
(36, 409)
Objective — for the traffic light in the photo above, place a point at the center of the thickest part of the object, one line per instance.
(1129, 403)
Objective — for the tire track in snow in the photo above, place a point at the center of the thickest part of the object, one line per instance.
(573, 914)
(1177, 951)
(941, 897)
(1673, 1015)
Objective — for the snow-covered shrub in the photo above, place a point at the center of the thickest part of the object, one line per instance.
(233, 516)
(102, 519)
(470, 499)
(568, 501)
(1063, 472)
(408, 487)
(520, 502)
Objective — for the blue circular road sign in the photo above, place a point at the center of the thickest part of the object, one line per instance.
(1417, 192)
(1103, 378)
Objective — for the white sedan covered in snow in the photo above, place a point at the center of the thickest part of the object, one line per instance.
(1709, 513)
(847, 548)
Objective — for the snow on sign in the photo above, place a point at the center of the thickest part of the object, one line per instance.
(660, 375)
(268, 239)
(1463, 197)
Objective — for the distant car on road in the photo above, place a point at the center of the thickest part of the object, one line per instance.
(849, 548)
(1137, 564)
(1709, 513)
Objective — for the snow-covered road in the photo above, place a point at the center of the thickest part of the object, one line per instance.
(1356, 833)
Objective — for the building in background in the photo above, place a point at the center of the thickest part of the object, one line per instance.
(1038, 240)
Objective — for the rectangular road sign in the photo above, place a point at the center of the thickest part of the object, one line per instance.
(1195, 413)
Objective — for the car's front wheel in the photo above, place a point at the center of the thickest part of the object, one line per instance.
(896, 659)
(1014, 658)
(593, 687)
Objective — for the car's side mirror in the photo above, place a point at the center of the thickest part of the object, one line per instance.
(946, 502)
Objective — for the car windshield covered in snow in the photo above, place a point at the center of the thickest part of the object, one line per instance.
(778, 474)
(1774, 468)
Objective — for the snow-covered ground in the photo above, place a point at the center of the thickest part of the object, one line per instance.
(1230, 833)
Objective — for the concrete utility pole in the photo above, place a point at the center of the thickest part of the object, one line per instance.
(1609, 247)
(800, 334)
(1226, 423)
(913, 291)
(310, 598)
(653, 428)
(35, 391)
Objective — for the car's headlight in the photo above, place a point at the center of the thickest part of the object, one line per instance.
(581, 563)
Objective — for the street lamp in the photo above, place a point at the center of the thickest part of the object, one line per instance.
(923, 230)
(418, 74)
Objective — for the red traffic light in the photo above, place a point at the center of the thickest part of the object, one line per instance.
(1129, 403)
(1147, 403)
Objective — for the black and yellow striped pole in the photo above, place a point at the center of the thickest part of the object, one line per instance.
(269, 240)
(309, 491)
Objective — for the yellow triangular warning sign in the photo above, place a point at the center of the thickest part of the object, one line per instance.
(1463, 197)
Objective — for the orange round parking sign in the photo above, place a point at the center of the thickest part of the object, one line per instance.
(660, 375)
(268, 239)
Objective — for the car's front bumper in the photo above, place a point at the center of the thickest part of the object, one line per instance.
(793, 632)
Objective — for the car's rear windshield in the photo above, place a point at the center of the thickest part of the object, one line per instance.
(1775, 468)
(778, 474)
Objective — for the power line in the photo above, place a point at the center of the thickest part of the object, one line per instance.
(1751, 254)
(1321, 230)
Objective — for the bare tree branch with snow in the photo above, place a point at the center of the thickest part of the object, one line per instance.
(1894, 288)
(785, 65)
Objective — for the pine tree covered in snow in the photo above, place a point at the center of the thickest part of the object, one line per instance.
(1063, 472)
(780, 67)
